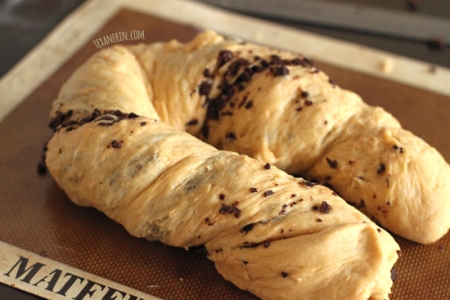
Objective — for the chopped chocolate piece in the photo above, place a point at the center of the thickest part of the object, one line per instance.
(304, 94)
(207, 73)
(230, 209)
(284, 274)
(309, 102)
(268, 193)
(224, 57)
(247, 228)
(132, 116)
(222, 197)
(315, 207)
(275, 59)
(87, 120)
(280, 71)
(253, 190)
(104, 124)
(333, 163)
(204, 88)
(307, 183)
(267, 166)
(325, 207)
(249, 104)
(115, 144)
(143, 123)
(381, 168)
(266, 244)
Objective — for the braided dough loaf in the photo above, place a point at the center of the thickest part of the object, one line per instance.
(279, 108)
(120, 146)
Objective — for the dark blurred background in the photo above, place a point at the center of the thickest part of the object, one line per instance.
(24, 23)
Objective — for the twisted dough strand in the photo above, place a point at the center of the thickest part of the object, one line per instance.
(266, 231)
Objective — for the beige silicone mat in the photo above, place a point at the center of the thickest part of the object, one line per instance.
(37, 216)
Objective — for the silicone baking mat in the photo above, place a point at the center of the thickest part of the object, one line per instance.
(36, 215)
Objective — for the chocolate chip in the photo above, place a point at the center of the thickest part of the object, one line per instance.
(204, 88)
(268, 193)
(280, 71)
(247, 228)
(325, 207)
(230, 209)
(381, 168)
(115, 144)
(332, 163)
(249, 104)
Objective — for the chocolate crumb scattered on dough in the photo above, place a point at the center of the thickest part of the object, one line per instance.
(247, 228)
(249, 104)
(253, 190)
(284, 274)
(280, 71)
(132, 115)
(230, 209)
(222, 196)
(115, 144)
(204, 88)
(332, 163)
(268, 193)
(325, 207)
(381, 168)
(224, 57)
(267, 166)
